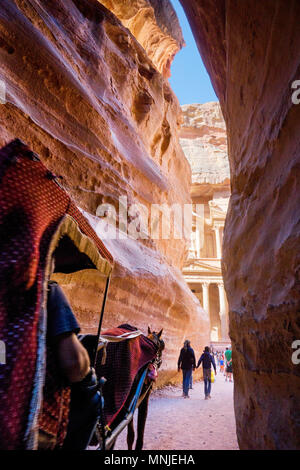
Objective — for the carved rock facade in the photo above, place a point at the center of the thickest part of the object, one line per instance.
(204, 142)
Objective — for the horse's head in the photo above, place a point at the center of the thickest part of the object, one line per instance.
(156, 338)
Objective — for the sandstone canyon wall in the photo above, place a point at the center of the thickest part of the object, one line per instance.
(155, 25)
(83, 93)
(203, 139)
(251, 51)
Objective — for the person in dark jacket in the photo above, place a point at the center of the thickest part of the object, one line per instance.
(187, 363)
(207, 360)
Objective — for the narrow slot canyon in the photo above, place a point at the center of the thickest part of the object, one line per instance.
(196, 205)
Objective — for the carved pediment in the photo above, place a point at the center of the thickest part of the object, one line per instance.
(212, 266)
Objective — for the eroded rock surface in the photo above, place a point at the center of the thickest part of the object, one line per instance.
(204, 142)
(84, 95)
(155, 25)
(251, 50)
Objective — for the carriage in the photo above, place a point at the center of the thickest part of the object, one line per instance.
(39, 221)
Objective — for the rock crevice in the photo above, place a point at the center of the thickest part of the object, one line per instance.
(251, 51)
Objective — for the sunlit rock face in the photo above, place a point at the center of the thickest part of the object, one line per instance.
(204, 142)
(84, 95)
(155, 25)
(251, 51)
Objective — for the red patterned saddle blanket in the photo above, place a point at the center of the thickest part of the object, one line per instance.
(32, 208)
(123, 362)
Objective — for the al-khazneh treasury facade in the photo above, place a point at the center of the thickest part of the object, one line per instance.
(203, 139)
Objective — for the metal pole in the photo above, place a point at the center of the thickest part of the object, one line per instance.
(94, 358)
(95, 351)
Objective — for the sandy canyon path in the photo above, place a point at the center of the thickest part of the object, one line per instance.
(175, 423)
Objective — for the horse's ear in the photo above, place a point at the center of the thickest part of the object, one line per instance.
(160, 333)
(149, 331)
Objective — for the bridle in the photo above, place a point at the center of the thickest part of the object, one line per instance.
(160, 347)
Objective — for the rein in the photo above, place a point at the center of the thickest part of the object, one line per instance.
(95, 349)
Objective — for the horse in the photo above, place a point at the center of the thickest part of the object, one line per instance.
(144, 397)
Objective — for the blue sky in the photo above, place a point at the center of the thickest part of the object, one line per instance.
(189, 79)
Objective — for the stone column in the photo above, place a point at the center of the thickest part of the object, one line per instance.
(218, 242)
(197, 242)
(224, 327)
(205, 286)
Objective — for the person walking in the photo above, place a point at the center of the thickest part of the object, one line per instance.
(187, 363)
(222, 363)
(207, 360)
(228, 370)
